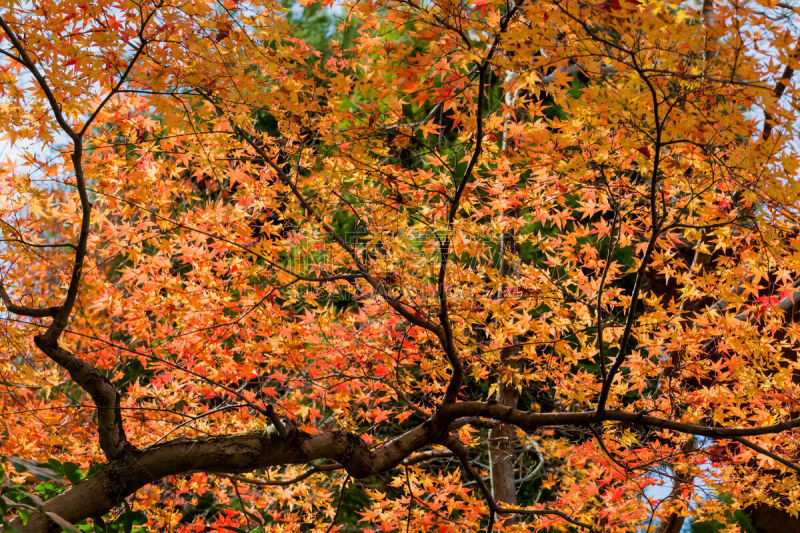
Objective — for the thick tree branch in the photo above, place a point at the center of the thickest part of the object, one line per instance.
(239, 453)
(229, 454)
(105, 395)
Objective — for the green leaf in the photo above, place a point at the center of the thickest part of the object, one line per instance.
(42, 471)
(72, 472)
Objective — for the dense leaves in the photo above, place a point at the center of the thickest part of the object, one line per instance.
(398, 266)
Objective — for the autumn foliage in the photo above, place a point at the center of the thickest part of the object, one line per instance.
(443, 266)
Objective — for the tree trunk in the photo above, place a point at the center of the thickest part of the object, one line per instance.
(501, 438)
(767, 519)
(673, 524)
(501, 451)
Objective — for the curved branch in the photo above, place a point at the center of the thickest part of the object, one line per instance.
(23, 310)
(227, 454)
(239, 453)
(105, 395)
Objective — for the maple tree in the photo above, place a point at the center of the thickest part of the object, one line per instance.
(447, 266)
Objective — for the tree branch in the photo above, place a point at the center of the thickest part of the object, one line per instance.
(228, 454)
(23, 310)
(238, 453)
(105, 395)
(26, 60)
(460, 451)
(446, 336)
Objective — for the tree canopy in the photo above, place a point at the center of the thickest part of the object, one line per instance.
(494, 265)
